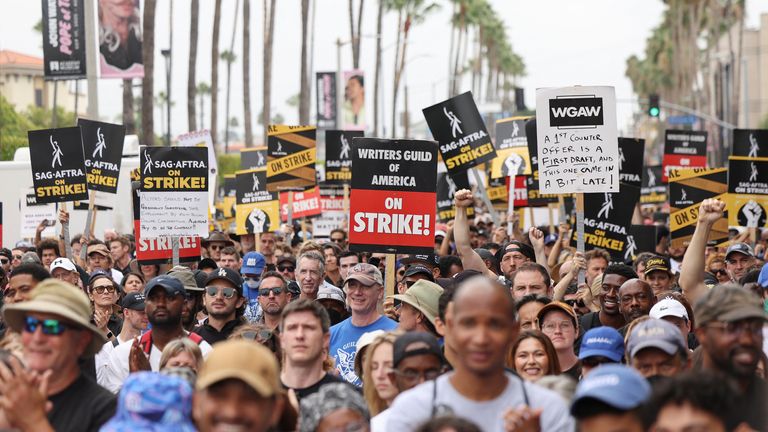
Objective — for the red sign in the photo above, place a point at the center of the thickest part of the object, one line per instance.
(305, 204)
(521, 191)
(681, 161)
(160, 250)
(379, 217)
(331, 203)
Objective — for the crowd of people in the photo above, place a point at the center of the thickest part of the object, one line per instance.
(491, 332)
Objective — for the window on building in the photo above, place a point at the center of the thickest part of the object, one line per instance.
(38, 97)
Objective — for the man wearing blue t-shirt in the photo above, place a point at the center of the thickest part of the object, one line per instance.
(365, 289)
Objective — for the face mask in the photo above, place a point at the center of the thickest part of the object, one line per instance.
(252, 283)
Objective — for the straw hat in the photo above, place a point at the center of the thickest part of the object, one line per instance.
(55, 297)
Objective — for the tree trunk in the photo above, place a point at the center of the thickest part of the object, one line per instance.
(230, 59)
(129, 121)
(202, 109)
(737, 72)
(451, 72)
(269, 22)
(396, 77)
(215, 72)
(354, 31)
(247, 73)
(377, 73)
(456, 72)
(192, 65)
(304, 92)
(147, 87)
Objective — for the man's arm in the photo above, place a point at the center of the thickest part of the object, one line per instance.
(445, 246)
(692, 269)
(554, 254)
(469, 258)
(536, 236)
(577, 263)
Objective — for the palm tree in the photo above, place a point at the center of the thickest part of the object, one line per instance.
(304, 92)
(247, 73)
(192, 65)
(162, 104)
(202, 89)
(147, 88)
(129, 121)
(215, 71)
(354, 31)
(229, 57)
(377, 73)
(269, 26)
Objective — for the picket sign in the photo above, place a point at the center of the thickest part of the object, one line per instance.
(290, 208)
(89, 221)
(175, 250)
(389, 275)
(65, 234)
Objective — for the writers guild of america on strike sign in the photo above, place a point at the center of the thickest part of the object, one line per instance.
(393, 200)
(577, 140)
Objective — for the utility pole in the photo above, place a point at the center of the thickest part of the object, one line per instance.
(91, 54)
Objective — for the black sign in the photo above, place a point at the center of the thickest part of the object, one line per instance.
(326, 99)
(458, 127)
(63, 39)
(684, 149)
(640, 238)
(535, 198)
(653, 191)
(230, 186)
(447, 185)
(751, 143)
(103, 148)
(631, 151)
(58, 166)
(338, 156)
(748, 177)
(607, 217)
(253, 158)
(576, 111)
(174, 169)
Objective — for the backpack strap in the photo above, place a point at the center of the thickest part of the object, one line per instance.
(146, 342)
(196, 338)
(115, 342)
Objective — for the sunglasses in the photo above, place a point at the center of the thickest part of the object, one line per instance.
(213, 291)
(17, 257)
(286, 268)
(215, 247)
(261, 335)
(51, 327)
(719, 272)
(264, 292)
(103, 289)
(4, 260)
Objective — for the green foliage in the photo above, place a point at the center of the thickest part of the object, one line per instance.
(764, 123)
(14, 125)
(228, 164)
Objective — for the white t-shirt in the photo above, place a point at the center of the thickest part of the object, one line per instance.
(102, 358)
(414, 407)
(117, 368)
(379, 421)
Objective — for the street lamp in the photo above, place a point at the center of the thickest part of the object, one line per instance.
(167, 55)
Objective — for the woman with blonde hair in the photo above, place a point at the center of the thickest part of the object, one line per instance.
(181, 352)
(379, 391)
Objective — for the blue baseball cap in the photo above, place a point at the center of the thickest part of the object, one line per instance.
(602, 341)
(615, 385)
(171, 285)
(762, 280)
(151, 401)
(550, 238)
(253, 263)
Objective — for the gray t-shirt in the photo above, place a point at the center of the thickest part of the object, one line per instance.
(414, 407)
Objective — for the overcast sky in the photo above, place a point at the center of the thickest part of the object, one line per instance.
(562, 42)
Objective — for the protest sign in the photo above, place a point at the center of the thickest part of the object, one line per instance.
(305, 204)
(631, 151)
(747, 192)
(752, 143)
(174, 186)
(607, 217)
(446, 188)
(202, 138)
(577, 140)
(392, 203)
(291, 157)
(338, 156)
(683, 149)
(32, 212)
(58, 166)
(120, 39)
(498, 192)
(228, 198)
(688, 187)
(332, 216)
(64, 41)
(103, 151)
(535, 198)
(326, 99)
(256, 209)
(640, 238)
(653, 191)
(512, 156)
(158, 250)
(253, 158)
(458, 127)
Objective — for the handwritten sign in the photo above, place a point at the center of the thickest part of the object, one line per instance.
(577, 140)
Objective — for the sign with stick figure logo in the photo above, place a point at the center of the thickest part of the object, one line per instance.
(58, 165)
(256, 210)
(338, 156)
(751, 143)
(103, 148)
(688, 187)
(512, 156)
(747, 192)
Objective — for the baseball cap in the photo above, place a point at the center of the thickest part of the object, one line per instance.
(331, 292)
(656, 333)
(550, 238)
(414, 343)
(516, 246)
(207, 263)
(741, 248)
(656, 263)
(285, 258)
(134, 301)
(727, 303)
(186, 276)
(223, 273)
(366, 339)
(63, 263)
(615, 385)
(99, 249)
(430, 260)
(30, 258)
(171, 285)
(556, 305)
(241, 359)
(98, 274)
(366, 274)
(602, 341)
(253, 263)
(668, 307)
(424, 296)
(419, 269)
(6, 253)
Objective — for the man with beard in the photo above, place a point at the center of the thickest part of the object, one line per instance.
(273, 296)
(635, 300)
(729, 326)
(223, 299)
(194, 287)
(164, 300)
(609, 314)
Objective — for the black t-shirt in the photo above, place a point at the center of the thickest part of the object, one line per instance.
(211, 335)
(83, 406)
(574, 372)
(306, 391)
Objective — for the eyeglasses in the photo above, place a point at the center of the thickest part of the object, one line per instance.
(101, 289)
(215, 247)
(264, 292)
(574, 302)
(719, 272)
(592, 362)
(17, 257)
(3, 261)
(413, 375)
(286, 268)
(737, 328)
(227, 292)
(552, 326)
(52, 327)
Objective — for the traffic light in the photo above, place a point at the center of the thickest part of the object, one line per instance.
(653, 105)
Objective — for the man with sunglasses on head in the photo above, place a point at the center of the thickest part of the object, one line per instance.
(273, 297)
(223, 299)
(52, 392)
(164, 301)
